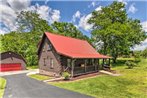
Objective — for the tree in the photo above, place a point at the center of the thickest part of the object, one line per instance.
(31, 22)
(144, 53)
(114, 30)
(68, 29)
(13, 42)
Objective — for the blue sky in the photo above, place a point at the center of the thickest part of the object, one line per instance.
(69, 8)
(76, 12)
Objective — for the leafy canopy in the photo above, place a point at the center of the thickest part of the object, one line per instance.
(115, 32)
(31, 22)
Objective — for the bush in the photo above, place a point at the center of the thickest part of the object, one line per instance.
(66, 75)
(144, 53)
(137, 60)
(137, 56)
(130, 64)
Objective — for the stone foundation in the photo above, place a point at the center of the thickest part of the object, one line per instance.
(44, 72)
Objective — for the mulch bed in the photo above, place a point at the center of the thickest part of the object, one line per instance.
(84, 76)
(90, 75)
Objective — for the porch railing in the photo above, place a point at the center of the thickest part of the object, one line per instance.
(79, 70)
(87, 69)
(90, 68)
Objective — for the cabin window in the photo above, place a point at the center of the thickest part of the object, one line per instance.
(51, 63)
(44, 61)
(49, 47)
(43, 49)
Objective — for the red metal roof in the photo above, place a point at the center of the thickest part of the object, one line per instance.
(74, 48)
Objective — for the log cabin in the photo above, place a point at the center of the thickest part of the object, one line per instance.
(57, 54)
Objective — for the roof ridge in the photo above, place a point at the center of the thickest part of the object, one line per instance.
(66, 36)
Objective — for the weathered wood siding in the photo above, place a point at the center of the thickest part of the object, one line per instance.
(44, 60)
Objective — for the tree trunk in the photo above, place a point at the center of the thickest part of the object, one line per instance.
(114, 60)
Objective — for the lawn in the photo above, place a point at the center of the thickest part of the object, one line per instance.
(2, 86)
(131, 84)
(40, 77)
(32, 67)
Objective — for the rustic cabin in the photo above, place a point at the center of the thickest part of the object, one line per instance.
(58, 53)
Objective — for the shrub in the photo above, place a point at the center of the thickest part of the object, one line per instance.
(144, 53)
(130, 64)
(66, 75)
(137, 56)
(137, 60)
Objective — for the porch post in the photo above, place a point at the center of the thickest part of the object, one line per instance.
(98, 64)
(109, 61)
(72, 67)
(95, 64)
(85, 64)
(103, 63)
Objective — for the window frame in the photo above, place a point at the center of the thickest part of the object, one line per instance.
(43, 49)
(49, 47)
(51, 63)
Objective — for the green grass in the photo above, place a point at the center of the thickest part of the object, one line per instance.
(131, 84)
(32, 67)
(2, 86)
(40, 77)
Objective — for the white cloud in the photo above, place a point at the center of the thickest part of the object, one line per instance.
(142, 46)
(123, 1)
(10, 8)
(4, 30)
(76, 15)
(55, 15)
(46, 12)
(43, 10)
(144, 25)
(93, 4)
(8, 12)
(98, 8)
(18, 5)
(132, 8)
(83, 23)
(76, 26)
(46, 1)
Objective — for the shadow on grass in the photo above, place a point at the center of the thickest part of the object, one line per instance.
(121, 62)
